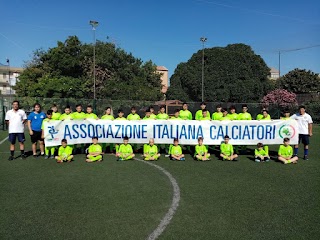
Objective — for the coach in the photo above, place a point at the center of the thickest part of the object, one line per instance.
(15, 119)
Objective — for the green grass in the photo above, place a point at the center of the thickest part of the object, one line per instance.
(41, 199)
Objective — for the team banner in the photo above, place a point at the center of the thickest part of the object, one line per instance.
(164, 131)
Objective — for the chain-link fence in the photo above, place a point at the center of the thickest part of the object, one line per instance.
(99, 106)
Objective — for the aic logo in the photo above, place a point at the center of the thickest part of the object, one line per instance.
(287, 131)
(52, 132)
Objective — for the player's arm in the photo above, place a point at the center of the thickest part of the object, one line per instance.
(29, 127)
(310, 129)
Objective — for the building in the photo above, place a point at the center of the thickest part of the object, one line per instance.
(164, 78)
(8, 81)
(274, 74)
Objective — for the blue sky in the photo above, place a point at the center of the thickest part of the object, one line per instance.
(167, 32)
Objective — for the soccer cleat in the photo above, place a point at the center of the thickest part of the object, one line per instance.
(120, 159)
(10, 158)
(46, 157)
(182, 159)
(257, 160)
(167, 155)
(305, 157)
(35, 155)
(235, 160)
(52, 157)
(23, 156)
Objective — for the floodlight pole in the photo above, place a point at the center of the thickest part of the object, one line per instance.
(94, 24)
(9, 80)
(203, 40)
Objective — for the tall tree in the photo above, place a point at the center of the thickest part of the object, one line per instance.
(233, 73)
(67, 71)
(300, 81)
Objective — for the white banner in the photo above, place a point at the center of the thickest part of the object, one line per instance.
(163, 131)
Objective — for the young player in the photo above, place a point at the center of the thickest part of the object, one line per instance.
(49, 151)
(133, 115)
(162, 113)
(148, 115)
(55, 114)
(226, 150)
(264, 115)
(90, 114)
(78, 114)
(205, 115)
(152, 115)
(260, 155)
(64, 152)
(107, 114)
(225, 116)
(217, 115)
(176, 151)
(120, 115)
(124, 151)
(16, 119)
(185, 114)
(285, 153)
(199, 114)
(34, 124)
(150, 151)
(67, 115)
(305, 130)
(176, 115)
(244, 115)
(233, 115)
(94, 151)
(201, 151)
(286, 115)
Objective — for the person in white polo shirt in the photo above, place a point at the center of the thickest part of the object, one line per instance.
(305, 130)
(16, 119)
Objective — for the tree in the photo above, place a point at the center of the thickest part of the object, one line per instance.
(232, 74)
(300, 81)
(66, 71)
(281, 98)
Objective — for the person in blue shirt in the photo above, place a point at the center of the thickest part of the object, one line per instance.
(34, 125)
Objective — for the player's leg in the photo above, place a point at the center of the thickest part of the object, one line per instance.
(21, 139)
(283, 160)
(296, 147)
(305, 141)
(257, 159)
(59, 159)
(12, 140)
(34, 144)
(131, 156)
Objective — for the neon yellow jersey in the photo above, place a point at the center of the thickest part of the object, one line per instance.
(217, 115)
(153, 116)
(244, 116)
(151, 150)
(260, 152)
(198, 115)
(56, 115)
(225, 118)
(260, 117)
(226, 149)
(205, 118)
(162, 116)
(78, 115)
(121, 118)
(95, 148)
(64, 151)
(91, 116)
(125, 149)
(285, 118)
(200, 150)
(148, 118)
(233, 116)
(285, 151)
(185, 115)
(66, 116)
(45, 120)
(176, 150)
(107, 117)
(133, 117)
(175, 118)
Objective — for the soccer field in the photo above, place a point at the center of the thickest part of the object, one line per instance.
(41, 199)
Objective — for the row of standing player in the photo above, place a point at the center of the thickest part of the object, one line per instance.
(36, 118)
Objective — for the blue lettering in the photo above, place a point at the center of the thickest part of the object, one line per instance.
(192, 132)
(233, 134)
(260, 132)
(136, 131)
(183, 132)
(269, 132)
(200, 132)
(91, 132)
(212, 129)
(75, 130)
(246, 133)
(67, 134)
(128, 131)
(144, 131)
(165, 132)
(83, 130)
(117, 131)
(97, 131)
(220, 133)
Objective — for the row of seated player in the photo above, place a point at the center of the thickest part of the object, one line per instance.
(150, 152)
(180, 114)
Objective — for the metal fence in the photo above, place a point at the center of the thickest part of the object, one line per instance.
(100, 104)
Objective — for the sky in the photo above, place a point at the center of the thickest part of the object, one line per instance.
(167, 32)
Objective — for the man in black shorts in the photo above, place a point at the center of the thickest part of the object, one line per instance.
(16, 119)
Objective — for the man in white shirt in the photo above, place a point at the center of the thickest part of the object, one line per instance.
(305, 130)
(16, 119)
